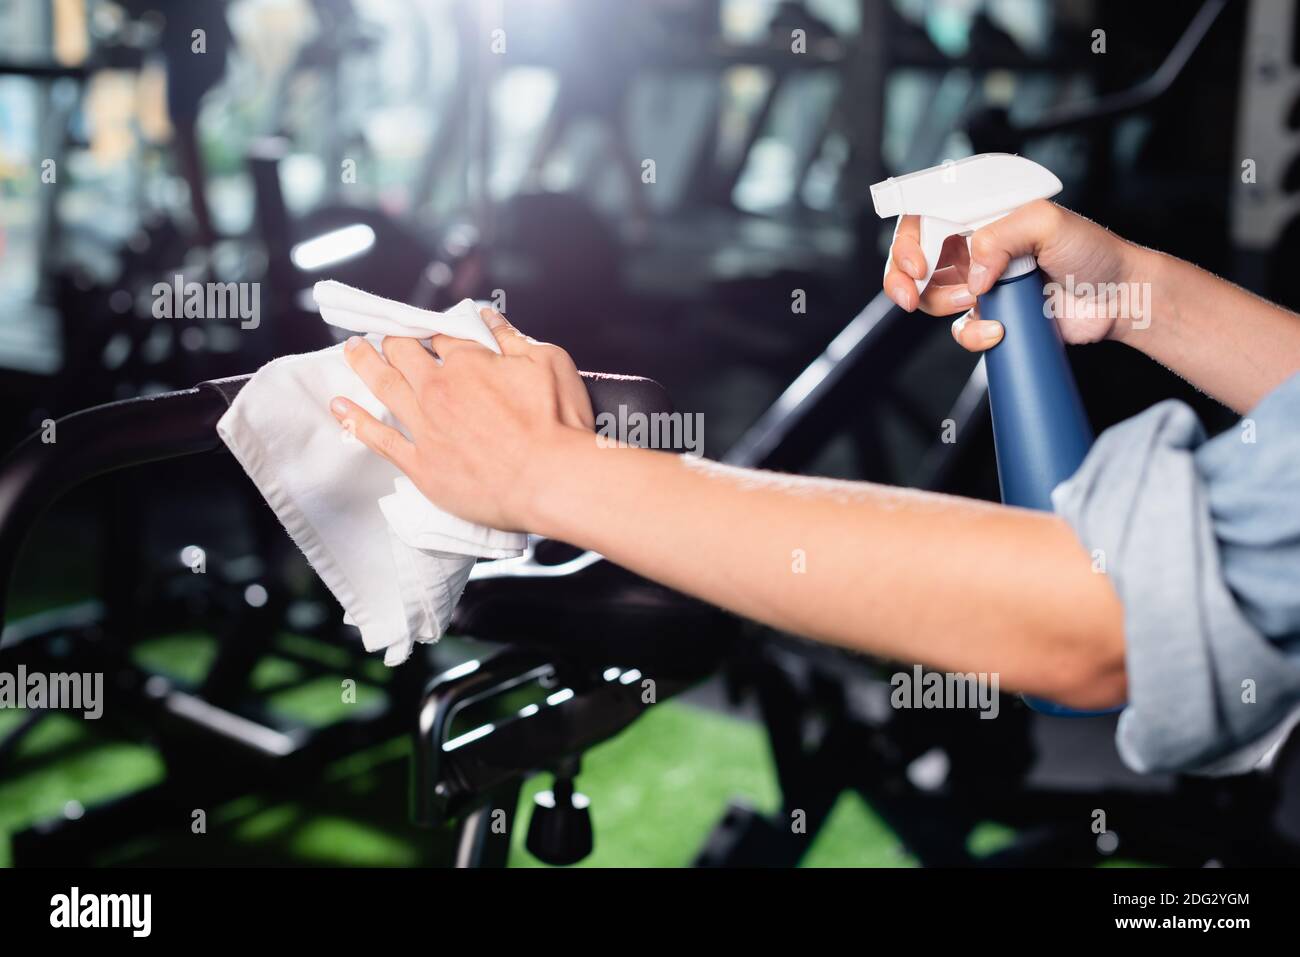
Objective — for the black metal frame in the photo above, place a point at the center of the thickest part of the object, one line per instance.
(203, 737)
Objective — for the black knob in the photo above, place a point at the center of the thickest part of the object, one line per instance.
(560, 831)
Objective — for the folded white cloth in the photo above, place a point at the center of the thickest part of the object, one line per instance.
(364, 312)
(395, 562)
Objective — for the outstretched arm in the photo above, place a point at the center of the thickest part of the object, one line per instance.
(955, 584)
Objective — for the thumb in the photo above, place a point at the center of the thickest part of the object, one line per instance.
(511, 340)
(1022, 233)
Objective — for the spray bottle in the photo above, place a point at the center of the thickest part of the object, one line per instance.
(1040, 430)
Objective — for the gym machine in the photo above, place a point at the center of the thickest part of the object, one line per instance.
(602, 644)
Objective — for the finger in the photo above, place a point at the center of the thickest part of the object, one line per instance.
(446, 345)
(387, 384)
(899, 283)
(1022, 233)
(409, 358)
(576, 412)
(376, 436)
(511, 340)
(575, 407)
(949, 276)
(575, 404)
(975, 334)
(954, 259)
(575, 400)
(946, 300)
(902, 289)
(909, 227)
(906, 249)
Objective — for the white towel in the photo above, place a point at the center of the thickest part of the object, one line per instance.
(395, 562)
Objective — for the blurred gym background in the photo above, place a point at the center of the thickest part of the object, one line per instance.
(668, 188)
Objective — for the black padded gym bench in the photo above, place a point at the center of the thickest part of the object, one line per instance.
(589, 633)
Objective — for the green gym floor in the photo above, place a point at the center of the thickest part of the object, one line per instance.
(657, 790)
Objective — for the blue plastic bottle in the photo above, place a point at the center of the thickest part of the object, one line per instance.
(1041, 433)
(1040, 430)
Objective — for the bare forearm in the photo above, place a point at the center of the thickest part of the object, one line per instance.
(952, 583)
(1226, 341)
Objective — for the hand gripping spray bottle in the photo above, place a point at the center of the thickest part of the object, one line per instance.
(1040, 431)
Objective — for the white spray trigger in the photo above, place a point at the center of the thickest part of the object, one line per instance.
(957, 198)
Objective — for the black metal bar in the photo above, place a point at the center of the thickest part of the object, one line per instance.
(106, 438)
(1115, 105)
(450, 779)
(46, 70)
(446, 695)
(801, 398)
(479, 840)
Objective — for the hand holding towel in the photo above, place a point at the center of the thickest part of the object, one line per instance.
(395, 562)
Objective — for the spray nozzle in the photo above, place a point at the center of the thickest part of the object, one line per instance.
(957, 198)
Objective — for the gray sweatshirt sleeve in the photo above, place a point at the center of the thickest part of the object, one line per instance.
(1201, 540)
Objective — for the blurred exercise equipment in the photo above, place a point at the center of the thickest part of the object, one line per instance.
(740, 268)
(934, 777)
(547, 619)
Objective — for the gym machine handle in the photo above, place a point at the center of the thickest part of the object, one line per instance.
(996, 132)
(109, 437)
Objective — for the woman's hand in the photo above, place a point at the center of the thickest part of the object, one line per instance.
(482, 425)
(1070, 249)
